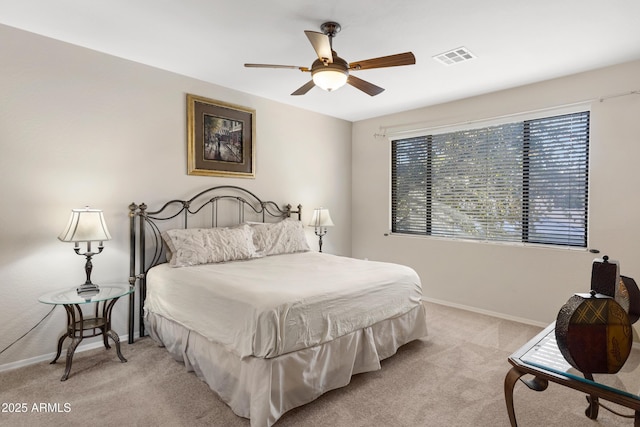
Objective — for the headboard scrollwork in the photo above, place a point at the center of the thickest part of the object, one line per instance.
(145, 228)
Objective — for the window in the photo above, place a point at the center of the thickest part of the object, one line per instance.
(517, 182)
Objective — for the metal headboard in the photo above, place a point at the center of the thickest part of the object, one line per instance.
(145, 228)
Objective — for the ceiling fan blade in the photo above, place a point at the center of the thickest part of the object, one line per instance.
(304, 88)
(321, 45)
(293, 67)
(406, 58)
(366, 87)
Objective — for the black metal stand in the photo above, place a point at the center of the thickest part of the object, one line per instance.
(88, 289)
(100, 324)
(320, 232)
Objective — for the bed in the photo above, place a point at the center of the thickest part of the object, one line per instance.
(229, 286)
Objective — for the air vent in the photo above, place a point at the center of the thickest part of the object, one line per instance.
(454, 56)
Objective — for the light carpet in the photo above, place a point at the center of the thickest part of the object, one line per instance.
(454, 377)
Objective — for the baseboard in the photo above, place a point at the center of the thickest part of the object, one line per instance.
(48, 357)
(635, 344)
(486, 312)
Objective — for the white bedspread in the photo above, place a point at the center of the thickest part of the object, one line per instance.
(274, 305)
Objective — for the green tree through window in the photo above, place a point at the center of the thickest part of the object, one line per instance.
(517, 182)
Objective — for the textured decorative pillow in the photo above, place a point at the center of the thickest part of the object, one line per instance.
(282, 237)
(195, 246)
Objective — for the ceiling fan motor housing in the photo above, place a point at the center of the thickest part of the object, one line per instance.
(330, 28)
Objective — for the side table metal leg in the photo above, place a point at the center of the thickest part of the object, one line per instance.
(104, 337)
(70, 332)
(509, 383)
(60, 341)
(592, 409)
(536, 384)
(116, 340)
(594, 405)
(70, 350)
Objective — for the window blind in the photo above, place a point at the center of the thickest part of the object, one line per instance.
(525, 181)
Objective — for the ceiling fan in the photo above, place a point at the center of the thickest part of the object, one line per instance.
(331, 72)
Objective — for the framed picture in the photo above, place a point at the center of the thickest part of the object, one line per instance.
(220, 138)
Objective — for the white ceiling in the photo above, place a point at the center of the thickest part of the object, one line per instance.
(515, 41)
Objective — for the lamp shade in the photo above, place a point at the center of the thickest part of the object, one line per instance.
(321, 218)
(330, 78)
(85, 225)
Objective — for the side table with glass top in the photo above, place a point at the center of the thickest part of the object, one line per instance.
(542, 358)
(79, 325)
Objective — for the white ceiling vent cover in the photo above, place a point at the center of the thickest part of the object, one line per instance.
(455, 56)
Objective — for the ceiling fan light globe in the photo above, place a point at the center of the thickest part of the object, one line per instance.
(330, 79)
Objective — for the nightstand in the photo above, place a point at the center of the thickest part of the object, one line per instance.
(542, 359)
(79, 326)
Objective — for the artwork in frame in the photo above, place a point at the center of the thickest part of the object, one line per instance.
(220, 138)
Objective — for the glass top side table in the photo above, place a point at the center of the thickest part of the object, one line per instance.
(542, 358)
(79, 326)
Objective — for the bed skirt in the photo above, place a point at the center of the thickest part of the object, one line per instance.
(264, 389)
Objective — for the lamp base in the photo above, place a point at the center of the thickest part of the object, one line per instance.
(87, 290)
(320, 233)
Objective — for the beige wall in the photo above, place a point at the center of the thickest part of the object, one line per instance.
(80, 128)
(529, 283)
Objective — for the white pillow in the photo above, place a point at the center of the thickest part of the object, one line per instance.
(284, 237)
(195, 246)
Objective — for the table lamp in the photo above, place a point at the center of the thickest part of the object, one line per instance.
(86, 225)
(321, 220)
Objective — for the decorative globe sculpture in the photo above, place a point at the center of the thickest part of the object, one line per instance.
(628, 296)
(593, 333)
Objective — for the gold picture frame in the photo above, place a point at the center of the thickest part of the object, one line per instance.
(220, 138)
